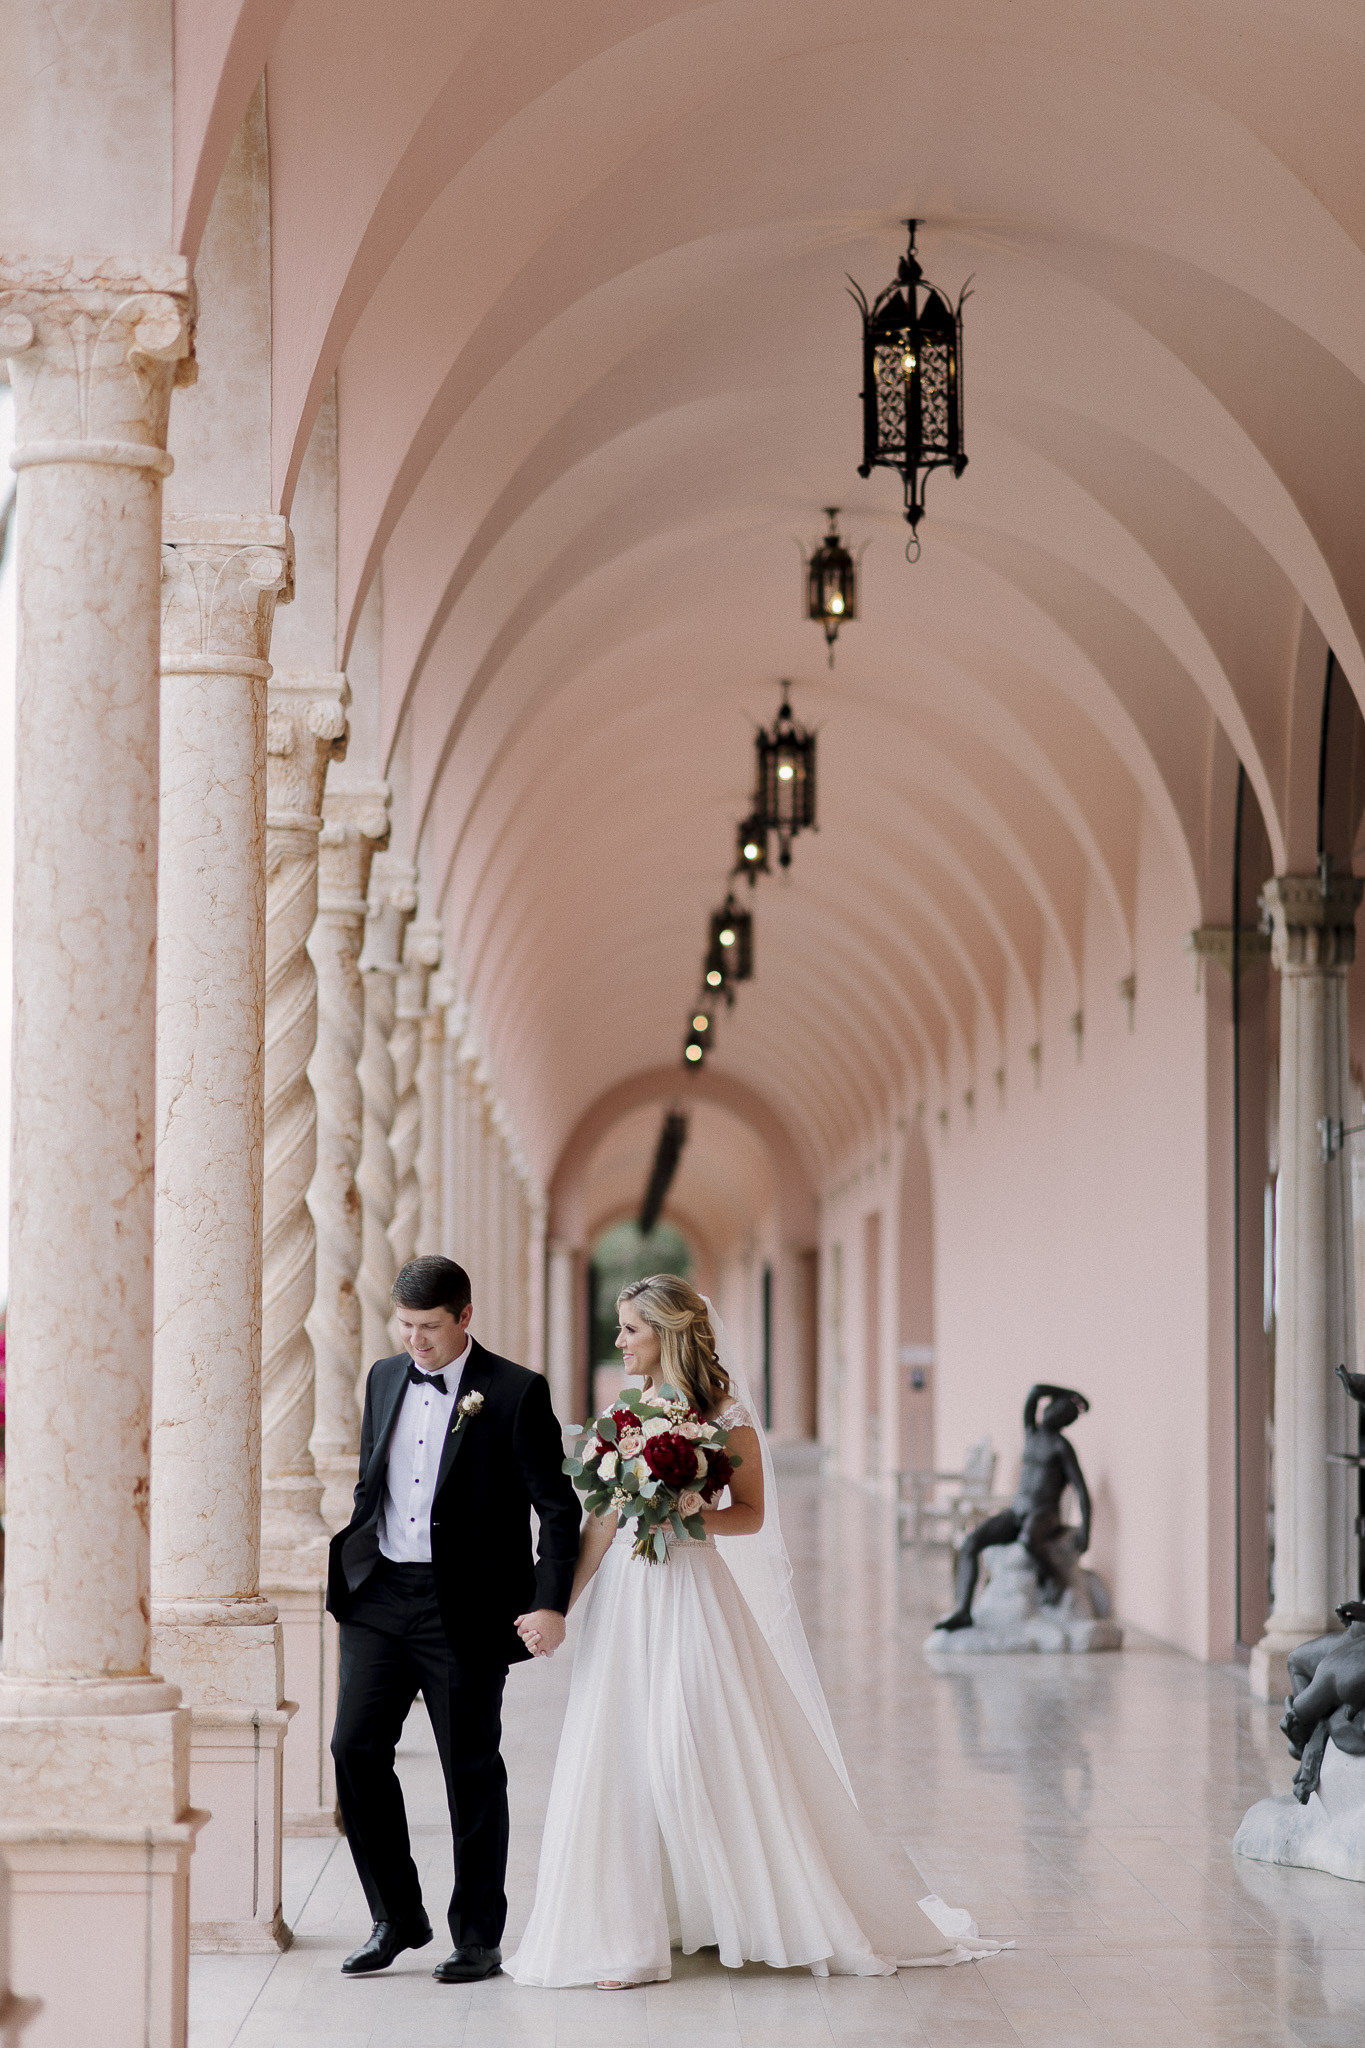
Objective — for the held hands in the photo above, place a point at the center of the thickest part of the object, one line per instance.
(542, 1631)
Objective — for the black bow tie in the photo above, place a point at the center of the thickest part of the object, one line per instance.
(426, 1379)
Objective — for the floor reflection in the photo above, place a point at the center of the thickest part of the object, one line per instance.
(1083, 1805)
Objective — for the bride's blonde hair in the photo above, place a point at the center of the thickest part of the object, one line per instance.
(687, 1343)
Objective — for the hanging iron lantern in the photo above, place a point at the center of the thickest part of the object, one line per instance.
(831, 583)
(751, 847)
(730, 953)
(695, 1048)
(912, 382)
(786, 779)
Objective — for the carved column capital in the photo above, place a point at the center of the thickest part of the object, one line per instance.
(222, 575)
(421, 957)
(443, 995)
(1313, 924)
(392, 901)
(96, 346)
(305, 729)
(355, 826)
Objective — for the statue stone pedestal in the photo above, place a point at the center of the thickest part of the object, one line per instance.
(1009, 1612)
(1326, 1834)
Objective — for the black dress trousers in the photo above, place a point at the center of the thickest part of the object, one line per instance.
(393, 1646)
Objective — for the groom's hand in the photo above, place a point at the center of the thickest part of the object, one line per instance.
(542, 1631)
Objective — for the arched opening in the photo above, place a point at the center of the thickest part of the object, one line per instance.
(619, 1255)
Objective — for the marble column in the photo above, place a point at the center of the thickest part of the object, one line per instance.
(213, 1633)
(431, 1085)
(1312, 945)
(355, 825)
(452, 1129)
(392, 901)
(421, 956)
(305, 729)
(537, 1219)
(96, 1825)
(561, 1300)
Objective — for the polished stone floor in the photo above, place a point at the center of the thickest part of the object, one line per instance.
(1083, 1806)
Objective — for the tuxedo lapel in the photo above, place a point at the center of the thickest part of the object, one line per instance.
(391, 1399)
(475, 1379)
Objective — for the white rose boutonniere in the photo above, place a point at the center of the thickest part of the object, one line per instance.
(471, 1404)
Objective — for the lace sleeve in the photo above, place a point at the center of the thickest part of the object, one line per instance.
(734, 1415)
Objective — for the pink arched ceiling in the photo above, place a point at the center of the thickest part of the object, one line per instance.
(578, 271)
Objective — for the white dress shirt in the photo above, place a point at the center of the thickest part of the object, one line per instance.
(415, 1447)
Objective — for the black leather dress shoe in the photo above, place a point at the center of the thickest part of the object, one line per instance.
(468, 1965)
(388, 1938)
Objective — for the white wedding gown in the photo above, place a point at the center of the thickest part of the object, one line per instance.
(694, 1806)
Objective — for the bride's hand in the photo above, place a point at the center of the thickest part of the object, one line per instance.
(542, 1631)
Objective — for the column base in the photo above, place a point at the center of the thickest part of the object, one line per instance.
(99, 1910)
(338, 1476)
(312, 1670)
(240, 1938)
(237, 1774)
(1268, 1667)
(100, 1926)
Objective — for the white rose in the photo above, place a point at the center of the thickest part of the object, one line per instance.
(607, 1467)
(658, 1427)
(631, 1442)
(693, 1431)
(690, 1504)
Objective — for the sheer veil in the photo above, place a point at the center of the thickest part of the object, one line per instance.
(761, 1568)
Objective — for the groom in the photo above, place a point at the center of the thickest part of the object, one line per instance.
(429, 1580)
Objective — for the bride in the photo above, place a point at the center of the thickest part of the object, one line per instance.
(700, 1798)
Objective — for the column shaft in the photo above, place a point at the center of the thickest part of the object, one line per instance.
(306, 728)
(421, 954)
(392, 901)
(214, 1635)
(355, 825)
(95, 1822)
(431, 1088)
(1313, 945)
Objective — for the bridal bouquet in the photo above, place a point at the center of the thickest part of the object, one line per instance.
(655, 1462)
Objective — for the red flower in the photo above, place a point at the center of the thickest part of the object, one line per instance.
(719, 1473)
(671, 1458)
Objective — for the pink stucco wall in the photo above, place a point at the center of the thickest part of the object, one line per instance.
(1071, 1246)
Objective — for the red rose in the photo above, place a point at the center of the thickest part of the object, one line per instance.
(671, 1458)
(719, 1473)
(624, 1420)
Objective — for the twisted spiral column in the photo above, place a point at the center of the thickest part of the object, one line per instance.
(421, 954)
(392, 901)
(431, 1094)
(355, 823)
(306, 728)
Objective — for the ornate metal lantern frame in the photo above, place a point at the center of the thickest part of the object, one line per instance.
(751, 848)
(912, 381)
(730, 950)
(831, 583)
(785, 795)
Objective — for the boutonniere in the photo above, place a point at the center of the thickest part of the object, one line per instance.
(471, 1405)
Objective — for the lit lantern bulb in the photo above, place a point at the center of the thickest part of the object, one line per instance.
(785, 772)
(694, 1052)
(751, 849)
(714, 978)
(701, 1022)
(727, 937)
(909, 362)
(836, 606)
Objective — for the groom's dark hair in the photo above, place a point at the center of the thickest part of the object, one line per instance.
(432, 1282)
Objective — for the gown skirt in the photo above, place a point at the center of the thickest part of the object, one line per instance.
(694, 1806)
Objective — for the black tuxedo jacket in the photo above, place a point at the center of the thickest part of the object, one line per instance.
(495, 1467)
